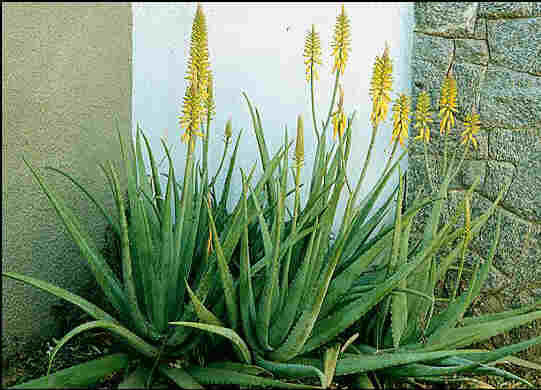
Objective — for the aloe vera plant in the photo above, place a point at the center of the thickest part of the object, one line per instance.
(416, 331)
(166, 230)
(296, 290)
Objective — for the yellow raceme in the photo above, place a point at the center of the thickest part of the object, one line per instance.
(342, 42)
(448, 105)
(423, 116)
(401, 119)
(380, 87)
(198, 98)
(473, 125)
(312, 53)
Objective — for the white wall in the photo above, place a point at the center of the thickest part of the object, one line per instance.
(257, 48)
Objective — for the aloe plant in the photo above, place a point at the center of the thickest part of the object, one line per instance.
(166, 230)
(298, 290)
(416, 330)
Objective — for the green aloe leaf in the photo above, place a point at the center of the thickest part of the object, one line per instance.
(88, 307)
(240, 367)
(281, 327)
(204, 314)
(225, 275)
(140, 322)
(81, 375)
(136, 379)
(180, 376)
(329, 363)
(247, 300)
(502, 315)
(500, 353)
(217, 376)
(100, 206)
(132, 339)
(461, 337)
(105, 277)
(399, 303)
(291, 370)
(155, 176)
(227, 185)
(225, 332)
(329, 327)
(373, 362)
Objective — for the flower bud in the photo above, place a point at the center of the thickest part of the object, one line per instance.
(228, 130)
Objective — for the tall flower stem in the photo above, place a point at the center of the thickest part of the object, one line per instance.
(445, 154)
(427, 168)
(312, 97)
(335, 90)
(387, 166)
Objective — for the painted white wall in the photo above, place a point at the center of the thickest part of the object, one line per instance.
(257, 48)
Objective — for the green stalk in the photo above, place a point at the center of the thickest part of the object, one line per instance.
(391, 156)
(445, 154)
(426, 167)
(220, 166)
(352, 199)
(285, 272)
(467, 236)
(206, 145)
(332, 102)
(312, 95)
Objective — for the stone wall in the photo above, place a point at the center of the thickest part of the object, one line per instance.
(497, 49)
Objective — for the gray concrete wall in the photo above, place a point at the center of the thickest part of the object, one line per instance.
(66, 70)
(498, 70)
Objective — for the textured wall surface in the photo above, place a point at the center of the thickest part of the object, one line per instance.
(66, 69)
(497, 48)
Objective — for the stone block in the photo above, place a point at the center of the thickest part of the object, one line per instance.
(513, 232)
(471, 169)
(432, 49)
(524, 196)
(512, 145)
(429, 76)
(510, 99)
(451, 19)
(532, 257)
(472, 51)
(469, 79)
(515, 43)
(498, 175)
(536, 64)
(506, 9)
(417, 175)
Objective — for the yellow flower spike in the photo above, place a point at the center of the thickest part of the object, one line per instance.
(401, 111)
(312, 53)
(473, 125)
(342, 42)
(380, 87)
(299, 147)
(448, 105)
(191, 113)
(196, 98)
(423, 116)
